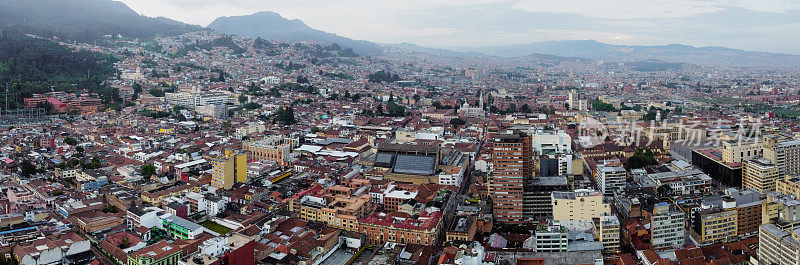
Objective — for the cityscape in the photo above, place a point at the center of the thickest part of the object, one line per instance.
(134, 139)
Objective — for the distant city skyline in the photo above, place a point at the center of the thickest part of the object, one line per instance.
(766, 25)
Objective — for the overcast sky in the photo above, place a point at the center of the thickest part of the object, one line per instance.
(761, 25)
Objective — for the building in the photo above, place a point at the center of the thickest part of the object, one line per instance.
(738, 151)
(667, 227)
(537, 196)
(610, 176)
(780, 209)
(195, 98)
(339, 211)
(778, 246)
(462, 228)
(785, 153)
(411, 163)
(403, 228)
(760, 175)
(274, 148)
(710, 161)
(230, 169)
(715, 223)
(69, 248)
(181, 228)
(551, 142)
(161, 253)
(512, 163)
(789, 185)
(579, 205)
(145, 217)
(609, 234)
(550, 238)
(236, 249)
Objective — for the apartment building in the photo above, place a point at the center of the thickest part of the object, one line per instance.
(760, 174)
(714, 223)
(609, 234)
(610, 176)
(667, 227)
(230, 169)
(551, 238)
(778, 246)
(783, 152)
(512, 163)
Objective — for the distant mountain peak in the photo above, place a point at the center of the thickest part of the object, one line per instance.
(271, 25)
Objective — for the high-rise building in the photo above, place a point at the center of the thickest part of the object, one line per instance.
(610, 176)
(573, 99)
(759, 174)
(666, 227)
(783, 152)
(512, 163)
(228, 170)
(609, 234)
(778, 246)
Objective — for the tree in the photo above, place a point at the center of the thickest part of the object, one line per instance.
(242, 99)
(148, 170)
(641, 159)
(599, 105)
(79, 149)
(156, 92)
(302, 79)
(70, 141)
(252, 106)
(27, 168)
(457, 122)
(137, 88)
(285, 116)
(221, 77)
(663, 191)
(525, 108)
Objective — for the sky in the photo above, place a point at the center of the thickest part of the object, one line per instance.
(758, 25)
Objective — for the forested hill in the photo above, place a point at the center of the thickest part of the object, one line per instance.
(34, 65)
(84, 20)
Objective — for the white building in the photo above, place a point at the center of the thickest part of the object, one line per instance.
(551, 142)
(610, 176)
(667, 227)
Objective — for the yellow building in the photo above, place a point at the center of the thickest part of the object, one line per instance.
(759, 174)
(789, 185)
(716, 224)
(581, 204)
(339, 211)
(222, 174)
(228, 170)
(609, 234)
(734, 151)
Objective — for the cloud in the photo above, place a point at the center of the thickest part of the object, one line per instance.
(768, 25)
(621, 9)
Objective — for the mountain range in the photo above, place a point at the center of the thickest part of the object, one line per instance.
(88, 20)
(675, 53)
(271, 25)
